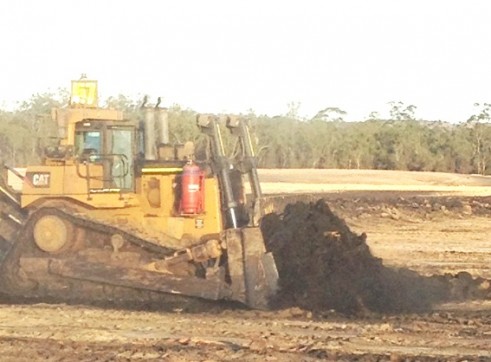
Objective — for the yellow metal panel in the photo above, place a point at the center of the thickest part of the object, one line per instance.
(99, 201)
(45, 182)
(42, 181)
(84, 93)
(175, 227)
(76, 182)
(166, 218)
(108, 200)
(168, 194)
(165, 192)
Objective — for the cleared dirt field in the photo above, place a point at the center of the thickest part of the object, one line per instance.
(430, 223)
(308, 181)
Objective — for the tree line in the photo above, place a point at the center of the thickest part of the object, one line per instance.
(398, 142)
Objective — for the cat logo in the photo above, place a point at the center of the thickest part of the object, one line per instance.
(39, 179)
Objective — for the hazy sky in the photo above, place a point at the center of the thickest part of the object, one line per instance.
(232, 56)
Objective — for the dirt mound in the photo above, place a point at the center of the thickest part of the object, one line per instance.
(323, 265)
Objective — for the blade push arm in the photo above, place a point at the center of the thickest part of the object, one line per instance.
(248, 163)
(221, 164)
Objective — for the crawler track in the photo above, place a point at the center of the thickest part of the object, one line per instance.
(22, 280)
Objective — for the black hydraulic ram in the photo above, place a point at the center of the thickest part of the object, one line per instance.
(221, 165)
(248, 162)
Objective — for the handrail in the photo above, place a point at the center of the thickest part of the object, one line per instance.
(97, 158)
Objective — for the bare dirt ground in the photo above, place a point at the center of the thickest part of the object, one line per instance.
(426, 223)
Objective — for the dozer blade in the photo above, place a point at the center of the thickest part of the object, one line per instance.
(212, 288)
(253, 271)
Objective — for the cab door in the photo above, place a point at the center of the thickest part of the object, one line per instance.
(122, 148)
(111, 147)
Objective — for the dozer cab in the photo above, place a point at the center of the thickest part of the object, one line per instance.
(116, 205)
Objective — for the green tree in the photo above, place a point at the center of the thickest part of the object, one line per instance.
(480, 132)
(401, 112)
(288, 141)
(30, 128)
(330, 114)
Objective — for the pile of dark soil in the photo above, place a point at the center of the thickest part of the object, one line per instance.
(323, 265)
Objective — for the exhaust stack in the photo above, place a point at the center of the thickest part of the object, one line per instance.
(149, 134)
(163, 123)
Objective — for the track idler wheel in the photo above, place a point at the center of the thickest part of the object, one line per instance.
(52, 234)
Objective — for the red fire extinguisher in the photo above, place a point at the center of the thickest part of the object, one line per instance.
(192, 192)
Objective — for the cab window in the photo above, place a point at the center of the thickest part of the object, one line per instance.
(88, 142)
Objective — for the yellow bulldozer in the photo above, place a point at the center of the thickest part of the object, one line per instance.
(115, 206)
